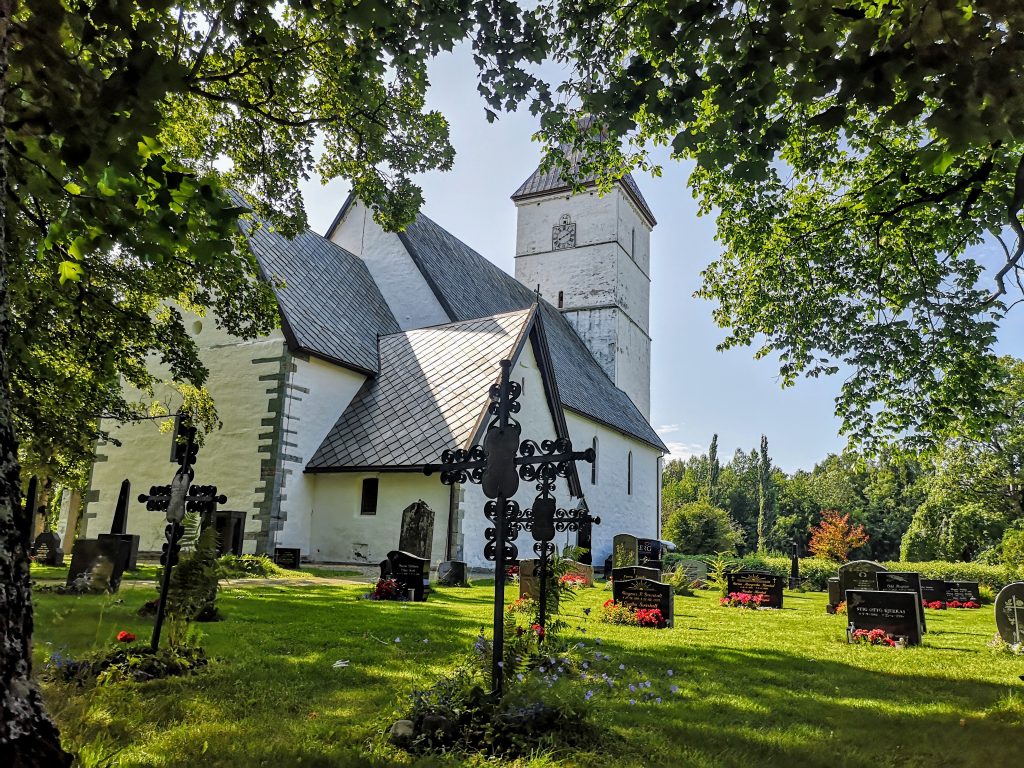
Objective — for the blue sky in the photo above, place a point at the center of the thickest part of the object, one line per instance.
(695, 391)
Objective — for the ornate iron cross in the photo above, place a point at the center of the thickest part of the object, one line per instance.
(497, 467)
(174, 500)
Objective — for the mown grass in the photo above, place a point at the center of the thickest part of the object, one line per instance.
(765, 688)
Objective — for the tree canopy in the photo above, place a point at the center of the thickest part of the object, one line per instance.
(855, 154)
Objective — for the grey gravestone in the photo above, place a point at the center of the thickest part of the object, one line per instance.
(96, 565)
(903, 581)
(645, 594)
(768, 585)
(583, 570)
(636, 572)
(933, 590)
(649, 552)
(794, 567)
(695, 570)
(608, 565)
(451, 573)
(860, 574)
(46, 549)
(288, 557)
(411, 572)
(1010, 613)
(529, 582)
(895, 612)
(130, 547)
(119, 527)
(417, 531)
(835, 597)
(963, 591)
(625, 550)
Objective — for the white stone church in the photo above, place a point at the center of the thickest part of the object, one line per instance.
(389, 343)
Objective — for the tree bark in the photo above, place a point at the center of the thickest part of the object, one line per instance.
(28, 738)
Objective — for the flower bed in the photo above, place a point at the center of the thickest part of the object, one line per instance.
(934, 605)
(962, 604)
(615, 613)
(573, 580)
(872, 637)
(386, 589)
(742, 600)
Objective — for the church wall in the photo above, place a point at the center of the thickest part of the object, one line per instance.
(634, 234)
(599, 329)
(633, 364)
(244, 381)
(595, 218)
(633, 291)
(585, 281)
(339, 533)
(317, 393)
(402, 285)
(620, 511)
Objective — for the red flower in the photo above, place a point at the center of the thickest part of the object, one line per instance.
(125, 637)
(538, 629)
(609, 602)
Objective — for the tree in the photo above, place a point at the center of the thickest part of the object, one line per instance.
(835, 536)
(698, 528)
(124, 124)
(714, 469)
(855, 152)
(764, 495)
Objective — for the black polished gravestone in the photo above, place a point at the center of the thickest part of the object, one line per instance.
(1010, 613)
(767, 585)
(835, 597)
(963, 591)
(860, 574)
(645, 594)
(649, 553)
(895, 612)
(412, 573)
(903, 581)
(97, 565)
(636, 572)
(46, 550)
(933, 591)
(288, 557)
(452, 573)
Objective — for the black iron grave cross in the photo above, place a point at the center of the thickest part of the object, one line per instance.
(175, 500)
(497, 466)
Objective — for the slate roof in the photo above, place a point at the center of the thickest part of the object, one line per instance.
(548, 182)
(469, 286)
(330, 305)
(429, 395)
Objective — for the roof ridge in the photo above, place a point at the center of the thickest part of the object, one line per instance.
(438, 326)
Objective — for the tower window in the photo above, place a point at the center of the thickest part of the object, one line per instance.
(593, 467)
(561, 299)
(629, 474)
(368, 503)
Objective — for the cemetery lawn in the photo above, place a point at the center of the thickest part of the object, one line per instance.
(755, 688)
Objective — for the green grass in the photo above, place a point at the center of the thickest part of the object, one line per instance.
(764, 688)
(144, 572)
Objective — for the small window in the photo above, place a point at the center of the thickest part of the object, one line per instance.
(629, 474)
(368, 505)
(561, 299)
(593, 467)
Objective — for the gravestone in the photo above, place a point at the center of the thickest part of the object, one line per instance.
(411, 572)
(835, 597)
(695, 570)
(636, 572)
(963, 591)
(645, 594)
(933, 591)
(625, 550)
(609, 563)
(288, 557)
(529, 582)
(649, 552)
(451, 573)
(903, 581)
(1010, 613)
(895, 612)
(129, 550)
(584, 571)
(794, 567)
(46, 549)
(96, 565)
(860, 574)
(417, 531)
(767, 585)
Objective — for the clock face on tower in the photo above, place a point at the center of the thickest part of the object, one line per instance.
(563, 234)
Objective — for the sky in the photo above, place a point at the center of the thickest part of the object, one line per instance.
(696, 391)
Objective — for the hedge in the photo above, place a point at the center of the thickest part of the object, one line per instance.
(815, 572)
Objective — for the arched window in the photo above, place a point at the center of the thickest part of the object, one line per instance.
(561, 299)
(593, 467)
(629, 473)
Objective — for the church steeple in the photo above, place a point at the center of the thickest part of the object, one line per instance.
(589, 255)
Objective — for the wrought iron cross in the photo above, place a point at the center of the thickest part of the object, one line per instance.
(174, 501)
(497, 466)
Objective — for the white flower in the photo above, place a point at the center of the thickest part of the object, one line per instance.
(398, 639)
(340, 664)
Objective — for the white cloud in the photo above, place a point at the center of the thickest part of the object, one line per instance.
(667, 429)
(683, 451)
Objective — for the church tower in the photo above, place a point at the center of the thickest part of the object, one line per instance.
(590, 256)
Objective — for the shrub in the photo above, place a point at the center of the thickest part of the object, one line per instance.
(1012, 548)
(679, 581)
(700, 528)
(126, 662)
(613, 613)
(250, 567)
(834, 537)
(194, 582)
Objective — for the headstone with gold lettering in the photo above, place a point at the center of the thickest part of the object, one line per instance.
(645, 594)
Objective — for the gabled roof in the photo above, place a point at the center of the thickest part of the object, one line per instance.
(430, 395)
(330, 306)
(550, 182)
(468, 286)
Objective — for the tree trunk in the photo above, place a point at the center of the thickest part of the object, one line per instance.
(28, 738)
